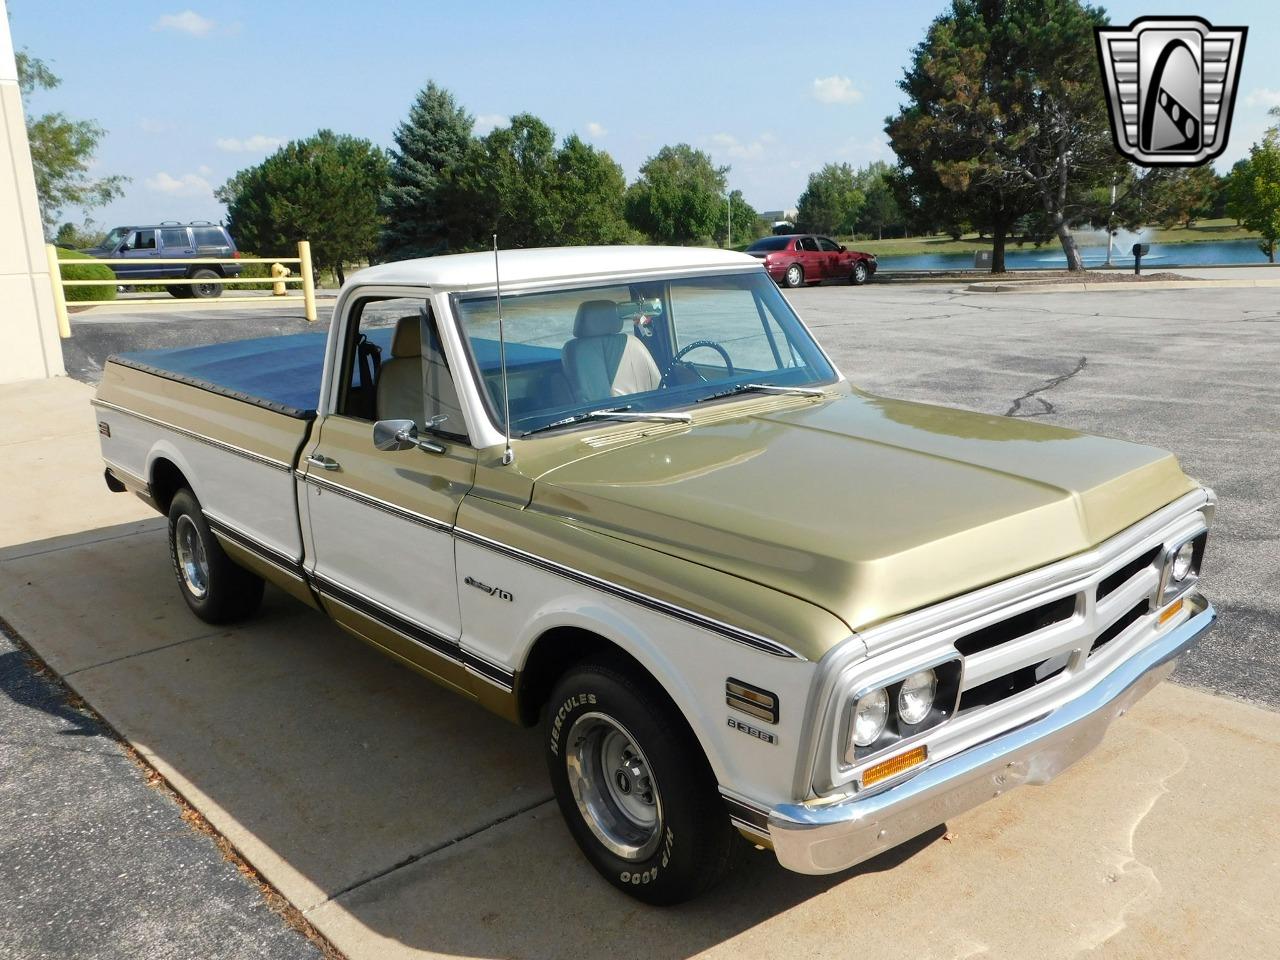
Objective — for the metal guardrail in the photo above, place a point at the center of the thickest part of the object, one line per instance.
(307, 295)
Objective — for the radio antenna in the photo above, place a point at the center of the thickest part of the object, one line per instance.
(507, 456)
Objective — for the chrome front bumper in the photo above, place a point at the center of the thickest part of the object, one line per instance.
(818, 838)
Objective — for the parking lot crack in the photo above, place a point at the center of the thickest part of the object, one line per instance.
(1046, 407)
(434, 849)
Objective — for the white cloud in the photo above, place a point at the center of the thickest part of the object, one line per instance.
(1262, 97)
(187, 185)
(490, 121)
(835, 89)
(258, 143)
(188, 21)
(873, 148)
(596, 129)
(728, 144)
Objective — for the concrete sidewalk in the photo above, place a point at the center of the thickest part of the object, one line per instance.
(405, 822)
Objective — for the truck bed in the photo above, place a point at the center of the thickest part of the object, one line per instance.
(279, 373)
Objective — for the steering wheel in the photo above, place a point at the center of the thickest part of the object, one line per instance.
(677, 360)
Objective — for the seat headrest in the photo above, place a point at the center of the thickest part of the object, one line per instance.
(407, 340)
(597, 318)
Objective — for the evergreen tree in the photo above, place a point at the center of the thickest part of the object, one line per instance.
(324, 189)
(428, 144)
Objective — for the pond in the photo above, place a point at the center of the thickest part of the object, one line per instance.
(1050, 256)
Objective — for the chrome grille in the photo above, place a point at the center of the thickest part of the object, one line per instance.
(1037, 645)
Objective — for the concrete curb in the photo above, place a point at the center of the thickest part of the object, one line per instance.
(1034, 287)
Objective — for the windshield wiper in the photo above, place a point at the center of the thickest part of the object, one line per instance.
(764, 388)
(614, 413)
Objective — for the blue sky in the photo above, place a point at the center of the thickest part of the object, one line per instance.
(191, 93)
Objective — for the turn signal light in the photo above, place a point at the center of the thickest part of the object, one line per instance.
(1169, 612)
(894, 765)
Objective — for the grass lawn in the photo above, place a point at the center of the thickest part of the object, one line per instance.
(1224, 229)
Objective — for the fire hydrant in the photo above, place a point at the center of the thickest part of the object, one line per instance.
(279, 270)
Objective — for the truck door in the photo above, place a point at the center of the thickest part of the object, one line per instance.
(379, 522)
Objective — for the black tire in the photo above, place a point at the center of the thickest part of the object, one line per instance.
(691, 844)
(179, 291)
(794, 277)
(205, 291)
(859, 274)
(230, 592)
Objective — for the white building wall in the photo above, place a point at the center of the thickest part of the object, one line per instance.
(29, 345)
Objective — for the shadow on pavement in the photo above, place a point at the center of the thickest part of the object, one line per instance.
(21, 683)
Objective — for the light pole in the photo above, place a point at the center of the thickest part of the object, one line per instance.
(1111, 217)
(728, 234)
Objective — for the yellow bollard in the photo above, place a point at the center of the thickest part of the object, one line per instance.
(278, 270)
(59, 297)
(308, 281)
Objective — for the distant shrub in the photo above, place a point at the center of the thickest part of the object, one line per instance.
(87, 271)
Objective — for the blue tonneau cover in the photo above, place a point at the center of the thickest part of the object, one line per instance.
(283, 373)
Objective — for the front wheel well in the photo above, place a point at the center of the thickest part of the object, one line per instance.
(557, 651)
(166, 480)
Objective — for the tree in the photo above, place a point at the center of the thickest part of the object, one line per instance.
(879, 208)
(516, 183)
(589, 191)
(678, 196)
(428, 144)
(78, 236)
(738, 221)
(831, 201)
(325, 189)
(1017, 82)
(1183, 196)
(1255, 192)
(62, 151)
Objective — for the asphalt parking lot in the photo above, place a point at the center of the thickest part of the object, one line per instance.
(402, 822)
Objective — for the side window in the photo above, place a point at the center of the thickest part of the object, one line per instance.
(209, 237)
(142, 240)
(809, 245)
(828, 246)
(394, 367)
(174, 238)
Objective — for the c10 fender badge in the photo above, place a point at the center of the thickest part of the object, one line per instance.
(751, 731)
(491, 591)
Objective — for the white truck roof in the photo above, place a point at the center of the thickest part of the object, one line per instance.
(548, 264)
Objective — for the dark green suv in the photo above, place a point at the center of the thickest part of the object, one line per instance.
(171, 241)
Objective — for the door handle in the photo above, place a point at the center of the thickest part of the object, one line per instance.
(320, 460)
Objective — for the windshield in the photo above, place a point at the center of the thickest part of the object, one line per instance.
(649, 346)
(114, 237)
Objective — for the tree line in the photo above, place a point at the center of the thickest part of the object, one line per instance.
(443, 188)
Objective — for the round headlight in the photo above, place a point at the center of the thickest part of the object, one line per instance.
(915, 699)
(870, 714)
(1182, 561)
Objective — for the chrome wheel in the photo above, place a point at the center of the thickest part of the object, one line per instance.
(616, 792)
(795, 275)
(860, 273)
(192, 563)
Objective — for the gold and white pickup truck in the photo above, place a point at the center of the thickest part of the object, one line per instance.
(628, 497)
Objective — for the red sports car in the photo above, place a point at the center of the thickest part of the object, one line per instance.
(797, 259)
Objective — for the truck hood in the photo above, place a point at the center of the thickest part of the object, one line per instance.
(866, 507)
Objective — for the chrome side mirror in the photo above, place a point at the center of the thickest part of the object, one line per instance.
(395, 434)
(402, 435)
